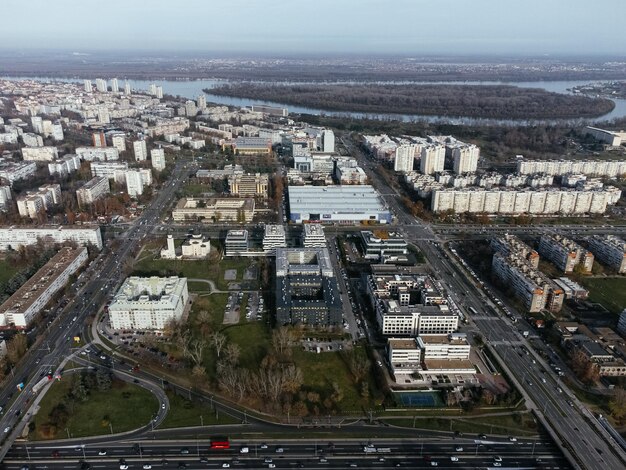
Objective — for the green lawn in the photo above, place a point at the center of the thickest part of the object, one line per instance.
(610, 292)
(254, 340)
(215, 304)
(124, 406)
(183, 412)
(7, 271)
(321, 370)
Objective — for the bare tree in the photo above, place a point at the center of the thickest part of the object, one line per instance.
(218, 340)
(232, 353)
(195, 350)
(292, 379)
(281, 340)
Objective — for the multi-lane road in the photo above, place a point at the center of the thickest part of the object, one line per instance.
(292, 453)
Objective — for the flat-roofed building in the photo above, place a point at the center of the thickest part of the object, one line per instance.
(90, 154)
(404, 355)
(382, 244)
(453, 346)
(337, 204)
(610, 250)
(217, 209)
(511, 244)
(248, 185)
(157, 157)
(236, 243)
(273, 238)
(22, 307)
(40, 154)
(306, 288)
(15, 237)
(313, 236)
(14, 171)
(110, 170)
(93, 190)
(250, 146)
(565, 253)
(148, 303)
(571, 289)
(64, 165)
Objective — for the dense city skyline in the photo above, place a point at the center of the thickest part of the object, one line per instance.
(365, 27)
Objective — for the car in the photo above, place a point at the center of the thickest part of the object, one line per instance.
(497, 464)
(459, 448)
(123, 466)
(263, 446)
(78, 448)
(271, 465)
(184, 451)
(497, 458)
(244, 450)
(146, 466)
(454, 458)
(7, 429)
(482, 436)
(323, 460)
(162, 406)
(102, 452)
(267, 460)
(434, 463)
(279, 450)
(512, 439)
(225, 465)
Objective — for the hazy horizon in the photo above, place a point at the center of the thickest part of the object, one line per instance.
(281, 27)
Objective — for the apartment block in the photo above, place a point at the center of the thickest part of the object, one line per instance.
(64, 165)
(111, 170)
(40, 154)
(511, 244)
(35, 202)
(148, 303)
(137, 180)
(90, 154)
(405, 157)
(610, 168)
(15, 237)
(529, 284)
(464, 158)
(564, 253)
(26, 303)
(93, 190)
(118, 141)
(32, 140)
(248, 185)
(432, 159)
(157, 157)
(313, 236)
(140, 150)
(609, 250)
(404, 355)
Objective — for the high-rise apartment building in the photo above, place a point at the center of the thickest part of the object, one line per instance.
(157, 156)
(93, 190)
(115, 87)
(87, 86)
(101, 85)
(432, 159)
(404, 158)
(610, 250)
(98, 139)
(565, 253)
(140, 150)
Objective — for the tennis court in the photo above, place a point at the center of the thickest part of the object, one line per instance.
(413, 399)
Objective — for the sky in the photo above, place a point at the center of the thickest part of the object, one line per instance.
(396, 27)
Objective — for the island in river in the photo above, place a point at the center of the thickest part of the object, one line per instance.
(476, 101)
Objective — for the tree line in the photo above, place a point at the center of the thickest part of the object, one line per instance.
(476, 101)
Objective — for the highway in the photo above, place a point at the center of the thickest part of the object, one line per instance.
(292, 453)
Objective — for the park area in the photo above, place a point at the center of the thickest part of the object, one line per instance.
(82, 405)
(610, 292)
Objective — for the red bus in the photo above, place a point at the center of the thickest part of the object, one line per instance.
(220, 442)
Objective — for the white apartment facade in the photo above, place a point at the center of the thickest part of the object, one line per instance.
(157, 157)
(610, 250)
(90, 154)
(15, 237)
(140, 150)
(148, 303)
(93, 190)
(565, 253)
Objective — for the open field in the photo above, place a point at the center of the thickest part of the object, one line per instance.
(608, 291)
(122, 408)
(7, 271)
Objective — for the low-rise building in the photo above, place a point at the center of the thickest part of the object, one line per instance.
(22, 307)
(14, 171)
(382, 244)
(571, 289)
(250, 146)
(197, 246)
(247, 185)
(148, 303)
(217, 209)
(404, 355)
(35, 202)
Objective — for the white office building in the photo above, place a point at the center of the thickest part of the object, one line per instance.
(273, 238)
(313, 236)
(140, 150)
(148, 303)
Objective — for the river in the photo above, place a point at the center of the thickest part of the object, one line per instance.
(191, 89)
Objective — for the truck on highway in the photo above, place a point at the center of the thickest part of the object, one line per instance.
(369, 449)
